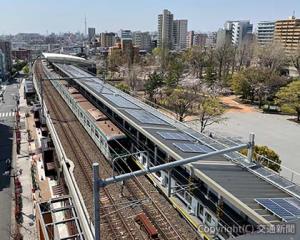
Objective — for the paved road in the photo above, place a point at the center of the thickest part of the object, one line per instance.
(6, 123)
(275, 131)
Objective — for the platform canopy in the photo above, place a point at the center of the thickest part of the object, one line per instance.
(64, 58)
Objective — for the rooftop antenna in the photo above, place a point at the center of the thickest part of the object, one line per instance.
(294, 15)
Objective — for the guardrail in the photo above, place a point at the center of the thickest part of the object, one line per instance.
(85, 221)
(285, 172)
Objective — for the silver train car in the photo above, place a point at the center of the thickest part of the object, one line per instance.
(106, 135)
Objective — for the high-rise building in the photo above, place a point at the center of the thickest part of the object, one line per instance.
(224, 37)
(180, 34)
(5, 47)
(142, 40)
(165, 29)
(287, 33)
(91, 33)
(190, 39)
(126, 34)
(265, 32)
(108, 39)
(211, 40)
(2, 66)
(240, 31)
(200, 39)
(196, 39)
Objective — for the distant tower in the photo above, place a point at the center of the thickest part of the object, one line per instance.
(85, 24)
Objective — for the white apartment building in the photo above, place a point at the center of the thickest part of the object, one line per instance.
(265, 32)
(240, 30)
(142, 40)
(180, 33)
(165, 29)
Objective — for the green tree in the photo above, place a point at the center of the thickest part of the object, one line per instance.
(256, 84)
(289, 97)
(115, 60)
(175, 71)
(26, 69)
(196, 57)
(123, 87)
(210, 76)
(162, 54)
(180, 101)
(262, 153)
(210, 111)
(154, 82)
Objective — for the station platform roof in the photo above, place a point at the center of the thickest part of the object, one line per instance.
(64, 58)
(230, 175)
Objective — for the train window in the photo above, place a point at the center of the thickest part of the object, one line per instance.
(88, 123)
(166, 180)
(208, 217)
(200, 209)
(96, 133)
(188, 197)
(144, 160)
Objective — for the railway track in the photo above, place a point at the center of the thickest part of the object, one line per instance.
(119, 229)
(154, 211)
(116, 222)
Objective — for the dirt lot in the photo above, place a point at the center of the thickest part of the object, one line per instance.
(233, 106)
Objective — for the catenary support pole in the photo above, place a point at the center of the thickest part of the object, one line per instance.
(170, 165)
(169, 182)
(251, 147)
(96, 193)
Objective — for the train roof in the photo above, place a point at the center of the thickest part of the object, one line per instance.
(110, 130)
(230, 175)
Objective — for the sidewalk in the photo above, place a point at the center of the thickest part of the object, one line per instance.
(23, 164)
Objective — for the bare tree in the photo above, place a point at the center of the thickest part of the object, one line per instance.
(210, 111)
(181, 101)
(271, 56)
(244, 54)
(223, 57)
(196, 57)
(295, 59)
(132, 77)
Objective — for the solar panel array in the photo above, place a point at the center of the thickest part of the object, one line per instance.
(120, 101)
(192, 147)
(285, 208)
(175, 135)
(145, 117)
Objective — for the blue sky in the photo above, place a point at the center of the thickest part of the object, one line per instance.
(112, 15)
